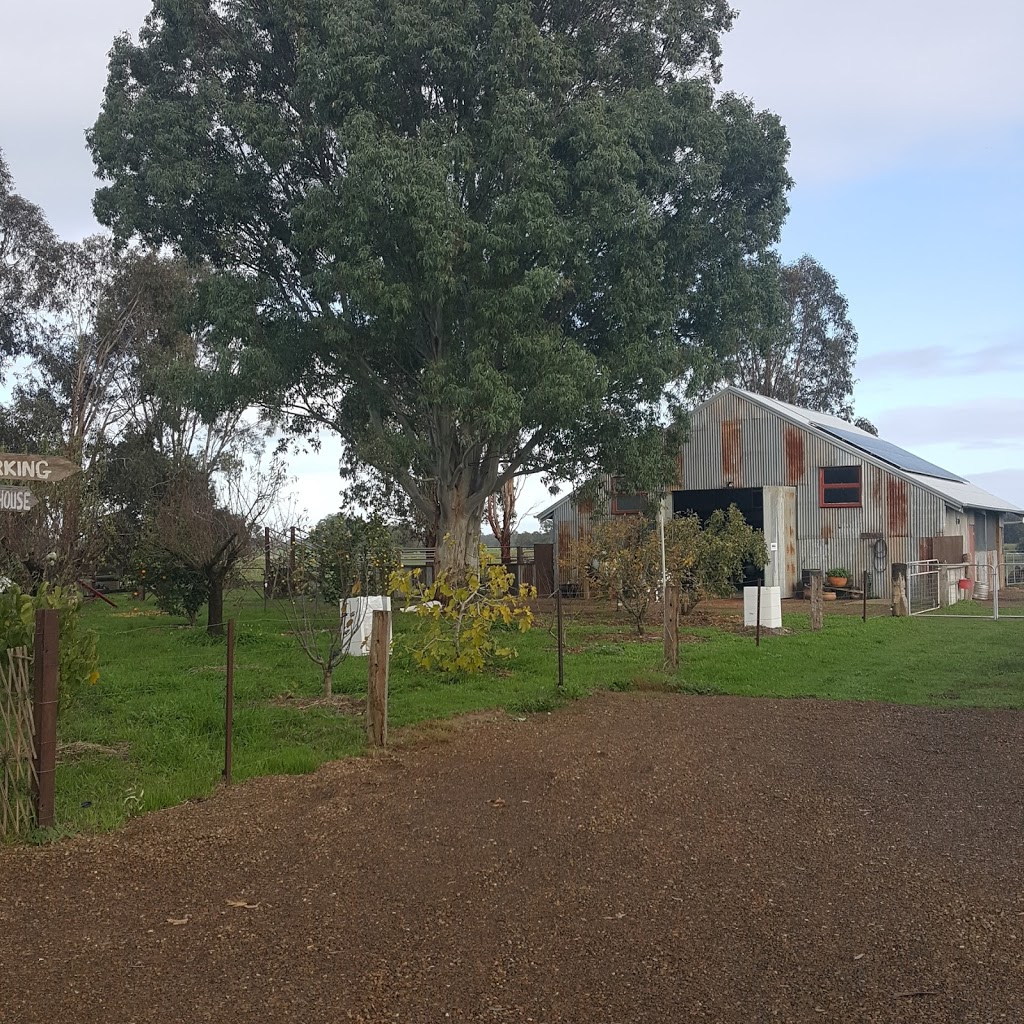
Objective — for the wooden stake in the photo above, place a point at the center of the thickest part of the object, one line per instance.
(377, 690)
(864, 597)
(817, 600)
(229, 703)
(46, 665)
(671, 611)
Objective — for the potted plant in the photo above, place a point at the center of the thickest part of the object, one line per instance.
(838, 577)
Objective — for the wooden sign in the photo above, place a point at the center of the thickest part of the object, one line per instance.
(16, 499)
(45, 468)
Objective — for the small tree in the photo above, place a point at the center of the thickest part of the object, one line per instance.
(458, 613)
(707, 559)
(502, 516)
(622, 555)
(179, 588)
(343, 558)
(210, 532)
(623, 558)
(349, 555)
(324, 631)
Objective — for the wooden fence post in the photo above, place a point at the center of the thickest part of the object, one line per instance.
(46, 658)
(377, 690)
(864, 596)
(900, 605)
(671, 612)
(229, 702)
(817, 600)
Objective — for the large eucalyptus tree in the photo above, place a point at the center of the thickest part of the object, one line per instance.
(474, 239)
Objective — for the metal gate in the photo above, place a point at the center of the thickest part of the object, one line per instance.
(923, 586)
(969, 590)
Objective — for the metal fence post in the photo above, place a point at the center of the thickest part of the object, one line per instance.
(229, 702)
(291, 560)
(671, 625)
(995, 585)
(267, 585)
(561, 637)
(377, 688)
(757, 627)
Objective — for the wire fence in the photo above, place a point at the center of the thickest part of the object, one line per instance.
(17, 742)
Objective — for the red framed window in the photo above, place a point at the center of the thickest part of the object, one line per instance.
(839, 487)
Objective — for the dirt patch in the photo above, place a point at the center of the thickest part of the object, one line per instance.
(643, 858)
(765, 631)
(342, 703)
(445, 730)
(610, 641)
(75, 750)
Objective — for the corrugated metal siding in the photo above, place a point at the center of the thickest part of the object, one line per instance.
(571, 522)
(733, 440)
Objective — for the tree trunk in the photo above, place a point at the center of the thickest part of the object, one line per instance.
(459, 538)
(215, 616)
(328, 682)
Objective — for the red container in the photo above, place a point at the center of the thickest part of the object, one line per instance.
(966, 584)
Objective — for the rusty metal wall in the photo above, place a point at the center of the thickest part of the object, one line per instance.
(571, 523)
(735, 442)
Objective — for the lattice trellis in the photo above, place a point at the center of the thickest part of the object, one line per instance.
(17, 742)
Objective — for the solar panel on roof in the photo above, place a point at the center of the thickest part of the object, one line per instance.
(893, 454)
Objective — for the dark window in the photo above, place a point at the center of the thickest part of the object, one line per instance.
(985, 532)
(628, 504)
(839, 487)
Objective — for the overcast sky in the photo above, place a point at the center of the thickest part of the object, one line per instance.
(907, 127)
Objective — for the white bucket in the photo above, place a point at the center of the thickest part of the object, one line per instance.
(982, 591)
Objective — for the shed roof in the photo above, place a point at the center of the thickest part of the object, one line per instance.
(544, 513)
(954, 489)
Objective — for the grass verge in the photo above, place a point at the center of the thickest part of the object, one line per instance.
(150, 734)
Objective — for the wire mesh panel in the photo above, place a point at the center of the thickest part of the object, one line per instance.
(17, 742)
(923, 587)
(1015, 574)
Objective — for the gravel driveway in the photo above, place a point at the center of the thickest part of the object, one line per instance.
(628, 859)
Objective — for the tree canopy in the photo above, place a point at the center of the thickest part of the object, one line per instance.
(795, 340)
(476, 241)
(30, 257)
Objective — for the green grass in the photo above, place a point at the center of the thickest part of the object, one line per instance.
(159, 703)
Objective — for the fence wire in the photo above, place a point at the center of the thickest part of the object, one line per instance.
(17, 742)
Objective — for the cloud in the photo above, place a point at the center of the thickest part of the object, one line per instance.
(53, 66)
(933, 361)
(863, 86)
(1005, 483)
(980, 424)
